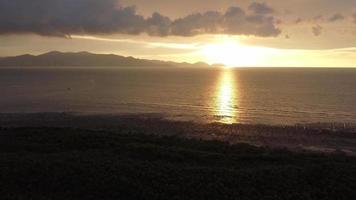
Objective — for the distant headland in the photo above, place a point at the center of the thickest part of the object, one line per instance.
(87, 59)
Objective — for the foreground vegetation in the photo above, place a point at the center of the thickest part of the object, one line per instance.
(64, 163)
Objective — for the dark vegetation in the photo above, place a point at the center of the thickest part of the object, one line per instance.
(65, 163)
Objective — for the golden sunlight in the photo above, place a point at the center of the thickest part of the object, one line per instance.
(230, 52)
(226, 100)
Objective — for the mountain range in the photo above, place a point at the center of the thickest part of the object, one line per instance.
(87, 59)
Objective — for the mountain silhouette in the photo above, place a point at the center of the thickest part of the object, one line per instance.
(87, 59)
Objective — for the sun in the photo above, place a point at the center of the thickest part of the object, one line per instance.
(230, 52)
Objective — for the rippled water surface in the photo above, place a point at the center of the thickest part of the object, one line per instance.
(254, 95)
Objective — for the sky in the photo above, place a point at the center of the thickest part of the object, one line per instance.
(237, 33)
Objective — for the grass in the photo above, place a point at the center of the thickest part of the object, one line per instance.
(64, 163)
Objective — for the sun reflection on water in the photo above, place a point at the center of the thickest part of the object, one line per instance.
(226, 97)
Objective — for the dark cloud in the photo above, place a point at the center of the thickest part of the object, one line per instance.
(195, 24)
(158, 25)
(322, 19)
(336, 17)
(260, 8)
(67, 17)
(236, 21)
(317, 30)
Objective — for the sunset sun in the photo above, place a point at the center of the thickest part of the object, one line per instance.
(230, 52)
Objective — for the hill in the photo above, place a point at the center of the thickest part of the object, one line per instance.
(86, 59)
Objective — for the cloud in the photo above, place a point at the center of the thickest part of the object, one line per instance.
(260, 8)
(64, 18)
(354, 17)
(234, 21)
(158, 25)
(336, 17)
(299, 20)
(321, 19)
(317, 30)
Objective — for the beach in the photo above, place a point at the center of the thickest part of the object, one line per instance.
(299, 137)
(71, 156)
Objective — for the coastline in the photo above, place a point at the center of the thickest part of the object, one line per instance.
(72, 163)
(69, 156)
(322, 137)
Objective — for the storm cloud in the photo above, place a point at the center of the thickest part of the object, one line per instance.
(64, 18)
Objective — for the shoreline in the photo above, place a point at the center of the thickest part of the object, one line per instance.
(74, 163)
(300, 137)
(65, 156)
(25, 116)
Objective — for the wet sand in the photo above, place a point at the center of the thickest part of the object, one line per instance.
(311, 137)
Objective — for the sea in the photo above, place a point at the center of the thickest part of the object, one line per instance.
(277, 96)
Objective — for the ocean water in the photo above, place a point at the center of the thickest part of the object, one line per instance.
(231, 95)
